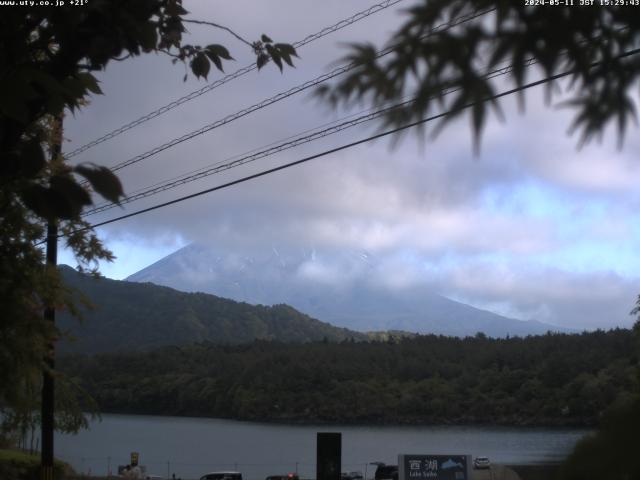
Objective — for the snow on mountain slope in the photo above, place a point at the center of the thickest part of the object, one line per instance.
(347, 288)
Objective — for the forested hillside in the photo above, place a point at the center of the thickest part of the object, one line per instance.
(555, 379)
(129, 316)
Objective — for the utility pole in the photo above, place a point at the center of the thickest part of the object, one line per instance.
(46, 458)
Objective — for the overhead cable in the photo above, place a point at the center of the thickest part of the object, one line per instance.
(337, 149)
(227, 78)
(277, 148)
(280, 96)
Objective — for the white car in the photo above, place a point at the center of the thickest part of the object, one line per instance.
(481, 462)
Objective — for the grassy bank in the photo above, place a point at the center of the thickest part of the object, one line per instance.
(18, 465)
(537, 472)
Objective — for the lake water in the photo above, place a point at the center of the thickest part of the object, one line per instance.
(190, 447)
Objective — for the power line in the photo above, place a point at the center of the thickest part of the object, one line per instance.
(238, 73)
(277, 148)
(264, 151)
(238, 156)
(281, 96)
(132, 196)
(342, 147)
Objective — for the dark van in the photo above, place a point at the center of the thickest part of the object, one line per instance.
(290, 476)
(222, 476)
(386, 472)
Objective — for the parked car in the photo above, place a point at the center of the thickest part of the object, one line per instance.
(386, 472)
(289, 476)
(351, 476)
(481, 463)
(222, 476)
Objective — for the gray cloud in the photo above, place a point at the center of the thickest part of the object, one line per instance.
(425, 202)
(592, 300)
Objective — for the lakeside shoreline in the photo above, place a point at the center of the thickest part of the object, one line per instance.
(194, 445)
(19, 462)
(547, 471)
(405, 422)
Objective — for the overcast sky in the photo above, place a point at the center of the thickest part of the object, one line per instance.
(531, 227)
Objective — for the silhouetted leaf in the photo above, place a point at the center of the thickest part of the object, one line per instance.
(148, 36)
(262, 59)
(200, 65)
(46, 81)
(219, 51)
(76, 196)
(266, 39)
(286, 48)
(75, 87)
(37, 199)
(27, 162)
(287, 59)
(102, 180)
(50, 203)
(90, 82)
(583, 41)
(215, 59)
(275, 56)
(175, 9)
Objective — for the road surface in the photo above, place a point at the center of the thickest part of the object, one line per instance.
(496, 472)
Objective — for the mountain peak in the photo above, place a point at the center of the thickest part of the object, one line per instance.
(345, 287)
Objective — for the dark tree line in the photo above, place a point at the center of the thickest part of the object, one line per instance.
(555, 379)
(127, 316)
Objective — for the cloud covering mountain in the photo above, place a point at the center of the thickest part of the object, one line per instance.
(345, 287)
(530, 227)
